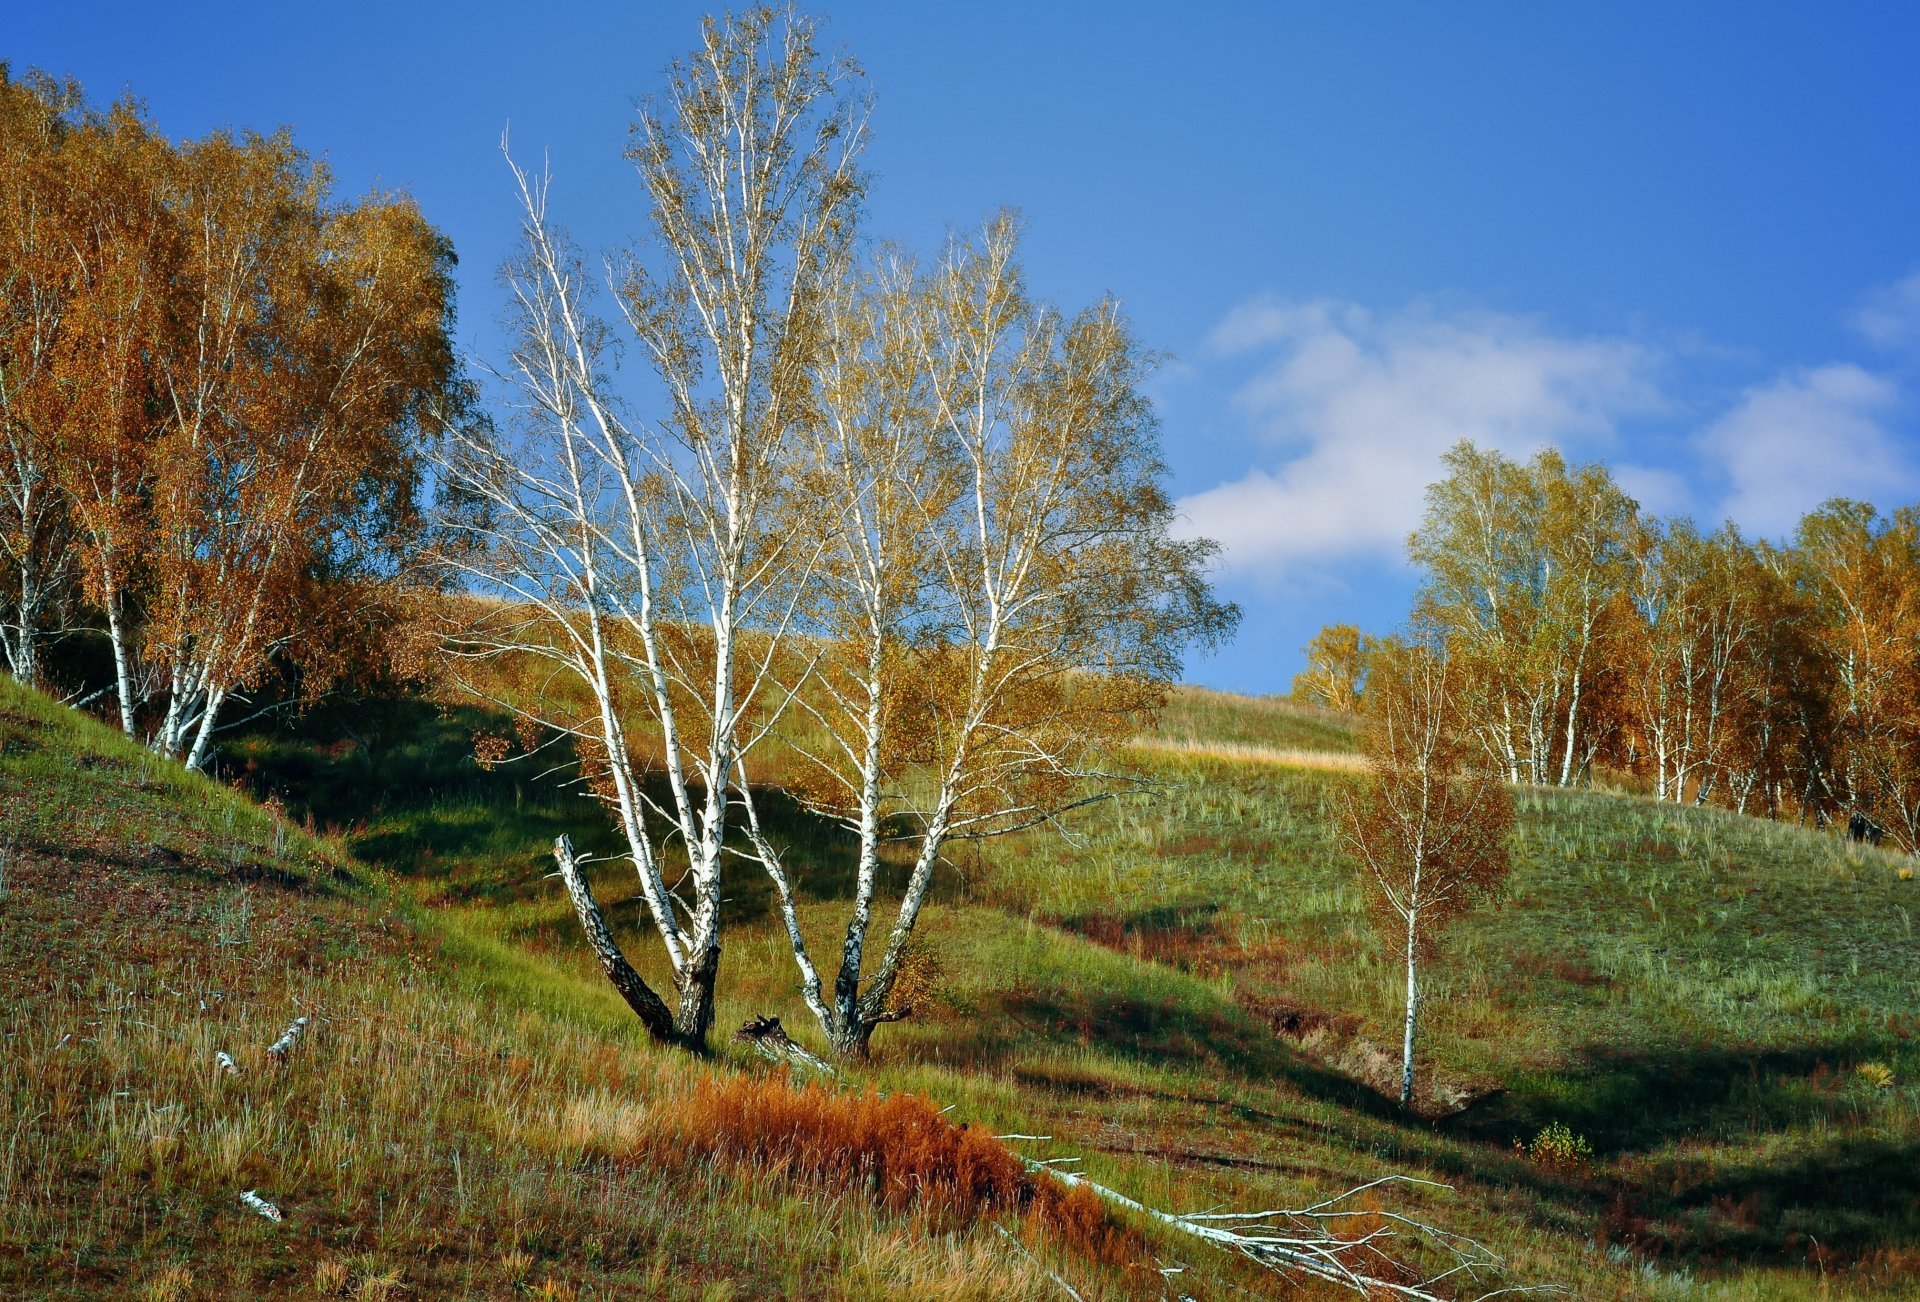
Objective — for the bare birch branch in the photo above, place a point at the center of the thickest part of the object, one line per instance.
(1311, 1242)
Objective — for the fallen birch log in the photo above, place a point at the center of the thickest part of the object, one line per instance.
(1308, 1241)
(256, 1203)
(283, 1046)
(770, 1040)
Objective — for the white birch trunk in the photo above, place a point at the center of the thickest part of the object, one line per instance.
(1413, 1013)
(123, 687)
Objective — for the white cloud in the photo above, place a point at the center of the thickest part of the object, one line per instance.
(1889, 317)
(1357, 407)
(1805, 436)
(1658, 491)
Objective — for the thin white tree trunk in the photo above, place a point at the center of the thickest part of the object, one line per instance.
(18, 636)
(203, 735)
(1413, 1013)
(648, 1006)
(1573, 717)
(122, 661)
(846, 986)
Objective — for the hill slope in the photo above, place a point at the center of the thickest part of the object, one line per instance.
(1185, 995)
(453, 1119)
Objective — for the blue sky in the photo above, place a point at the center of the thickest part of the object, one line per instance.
(1684, 239)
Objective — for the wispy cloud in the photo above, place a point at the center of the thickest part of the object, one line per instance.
(1807, 435)
(1889, 316)
(1353, 409)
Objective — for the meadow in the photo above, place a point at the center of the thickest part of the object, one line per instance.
(1676, 1059)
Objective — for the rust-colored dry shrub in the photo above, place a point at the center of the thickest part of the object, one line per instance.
(1075, 1217)
(898, 1148)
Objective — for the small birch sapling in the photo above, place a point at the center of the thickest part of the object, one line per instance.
(1429, 824)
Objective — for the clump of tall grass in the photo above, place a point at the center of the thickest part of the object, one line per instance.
(1557, 1145)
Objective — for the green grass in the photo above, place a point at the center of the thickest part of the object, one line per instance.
(1185, 993)
(1693, 992)
(459, 1118)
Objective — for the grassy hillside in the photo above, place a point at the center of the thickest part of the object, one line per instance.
(1185, 994)
(456, 1119)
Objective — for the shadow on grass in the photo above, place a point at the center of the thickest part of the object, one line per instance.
(397, 778)
(1686, 1128)
(1168, 1033)
(1840, 1198)
(1627, 1100)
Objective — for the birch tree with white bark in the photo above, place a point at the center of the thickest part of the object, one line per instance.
(297, 390)
(37, 286)
(1522, 563)
(999, 601)
(214, 378)
(1429, 826)
(1700, 604)
(647, 560)
(125, 245)
(1861, 573)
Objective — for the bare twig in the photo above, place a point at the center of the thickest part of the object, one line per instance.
(1024, 1251)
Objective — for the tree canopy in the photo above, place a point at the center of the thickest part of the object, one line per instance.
(216, 384)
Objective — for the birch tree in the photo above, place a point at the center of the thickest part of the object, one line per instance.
(1701, 605)
(1862, 573)
(647, 561)
(304, 372)
(1584, 564)
(1779, 743)
(1429, 827)
(214, 378)
(124, 247)
(1523, 563)
(37, 285)
(1001, 599)
(1336, 668)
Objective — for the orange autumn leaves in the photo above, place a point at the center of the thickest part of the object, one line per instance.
(217, 380)
(1774, 678)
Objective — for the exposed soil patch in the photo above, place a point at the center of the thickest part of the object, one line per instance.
(1207, 941)
(1334, 1040)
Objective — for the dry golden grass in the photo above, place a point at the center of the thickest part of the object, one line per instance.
(1329, 761)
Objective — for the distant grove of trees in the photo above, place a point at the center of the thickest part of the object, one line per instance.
(1776, 679)
(216, 382)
